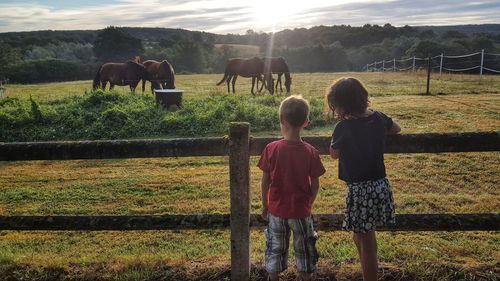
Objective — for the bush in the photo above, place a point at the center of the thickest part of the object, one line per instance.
(51, 70)
(112, 115)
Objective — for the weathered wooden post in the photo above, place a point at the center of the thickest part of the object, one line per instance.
(239, 178)
(429, 69)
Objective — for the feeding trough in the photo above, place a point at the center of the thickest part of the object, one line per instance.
(171, 99)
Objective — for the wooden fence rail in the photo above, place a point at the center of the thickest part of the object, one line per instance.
(111, 149)
(328, 222)
(239, 146)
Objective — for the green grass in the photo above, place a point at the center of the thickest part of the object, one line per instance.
(307, 84)
(422, 183)
(208, 110)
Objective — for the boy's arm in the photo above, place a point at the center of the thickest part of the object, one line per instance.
(314, 188)
(264, 185)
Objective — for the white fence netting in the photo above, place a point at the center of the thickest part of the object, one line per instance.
(475, 63)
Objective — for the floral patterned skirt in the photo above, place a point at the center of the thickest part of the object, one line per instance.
(369, 205)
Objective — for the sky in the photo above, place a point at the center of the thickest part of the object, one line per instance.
(238, 16)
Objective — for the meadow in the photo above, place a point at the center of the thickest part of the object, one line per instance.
(422, 183)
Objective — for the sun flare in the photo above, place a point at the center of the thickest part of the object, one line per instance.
(268, 14)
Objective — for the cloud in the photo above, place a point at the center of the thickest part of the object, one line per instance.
(237, 16)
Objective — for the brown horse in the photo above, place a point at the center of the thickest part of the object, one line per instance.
(161, 75)
(279, 66)
(121, 74)
(253, 67)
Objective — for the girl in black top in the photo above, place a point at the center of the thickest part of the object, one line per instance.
(358, 142)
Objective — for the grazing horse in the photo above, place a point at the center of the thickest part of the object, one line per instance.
(279, 66)
(253, 67)
(121, 74)
(161, 75)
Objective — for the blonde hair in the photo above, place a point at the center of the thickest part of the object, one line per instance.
(347, 94)
(294, 110)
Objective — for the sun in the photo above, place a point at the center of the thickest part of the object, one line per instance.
(269, 13)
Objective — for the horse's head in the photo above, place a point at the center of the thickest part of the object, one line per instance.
(168, 72)
(269, 82)
(288, 83)
(139, 69)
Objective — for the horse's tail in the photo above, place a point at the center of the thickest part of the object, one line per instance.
(226, 74)
(97, 79)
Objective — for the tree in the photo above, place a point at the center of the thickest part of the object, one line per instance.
(8, 57)
(427, 34)
(453, 34)
(482, 42)
(113, 44)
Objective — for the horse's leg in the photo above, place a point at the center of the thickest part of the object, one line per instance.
(103, 85)
(253, 83)
(133, 86)
(234, 82)
(111, 86)
(263, 83)
(229, 81)
(279, 81)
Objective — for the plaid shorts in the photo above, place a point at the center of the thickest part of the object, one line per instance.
(304, 244)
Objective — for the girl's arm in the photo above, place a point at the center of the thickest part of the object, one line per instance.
(394, 129)
(334, 153)
(264, 185)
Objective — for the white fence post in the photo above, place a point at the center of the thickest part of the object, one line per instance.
(375, 65)
(394, 64)
(441, 65)
(413, 63)
(383, 65)
(482, 63)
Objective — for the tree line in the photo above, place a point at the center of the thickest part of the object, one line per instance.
(42, 56)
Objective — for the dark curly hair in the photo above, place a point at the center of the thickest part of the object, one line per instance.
(347, 94)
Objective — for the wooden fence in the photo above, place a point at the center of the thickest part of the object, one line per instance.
(239, 146)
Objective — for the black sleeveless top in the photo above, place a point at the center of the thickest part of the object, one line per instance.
(361, 144)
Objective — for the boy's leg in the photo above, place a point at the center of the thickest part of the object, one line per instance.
(368, 255)
(277, 240)
(304, 243)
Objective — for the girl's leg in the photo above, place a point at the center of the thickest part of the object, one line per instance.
(355, 238)
(273, 276)
(368, 255)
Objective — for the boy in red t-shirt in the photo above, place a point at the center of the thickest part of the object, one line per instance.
(290, 182)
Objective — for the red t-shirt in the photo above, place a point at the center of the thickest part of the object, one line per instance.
(291, 165)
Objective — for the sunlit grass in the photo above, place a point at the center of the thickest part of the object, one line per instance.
(307, 84)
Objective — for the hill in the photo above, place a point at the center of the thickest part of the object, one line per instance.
(468, 29)
(25, 56)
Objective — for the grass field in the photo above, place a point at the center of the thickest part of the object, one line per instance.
(422, 183)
